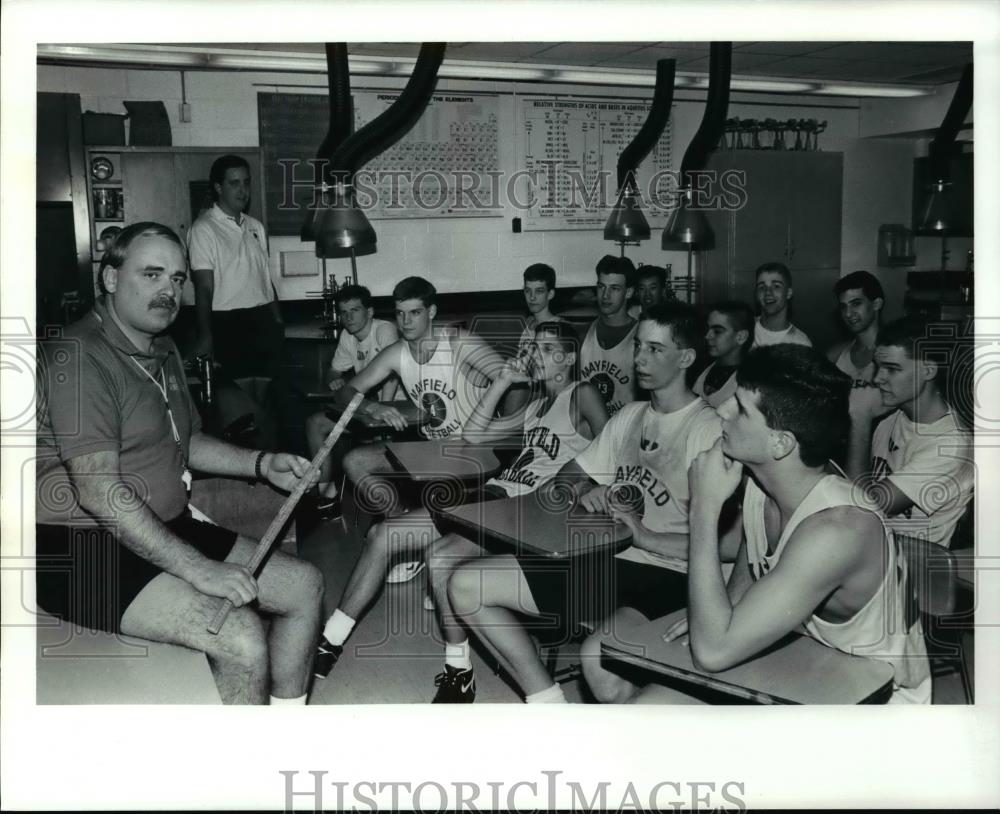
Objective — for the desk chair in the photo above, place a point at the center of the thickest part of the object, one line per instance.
(946, 608)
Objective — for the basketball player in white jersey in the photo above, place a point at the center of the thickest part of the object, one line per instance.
(362, 339)
(558, 424)
(861, 298)
(811, 556)
(443, 370)
(606, 352)
(539, 289)
(918, 464)
(773, 292)
(728, 338)
(645, 447)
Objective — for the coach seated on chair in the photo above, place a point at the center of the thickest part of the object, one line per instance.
(117, 547)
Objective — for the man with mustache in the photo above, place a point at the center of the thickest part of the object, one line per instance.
(239, 322)
(117, 546)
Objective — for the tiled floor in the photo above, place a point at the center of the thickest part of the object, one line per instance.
(392, 656)
(396, 649)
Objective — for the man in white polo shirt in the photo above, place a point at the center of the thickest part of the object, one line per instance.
(239, 323)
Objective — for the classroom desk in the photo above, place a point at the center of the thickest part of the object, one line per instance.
(775, 677)
(526, 524)
(442, 459)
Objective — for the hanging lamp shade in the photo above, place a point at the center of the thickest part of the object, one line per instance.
(936, 211)
(687, 226)
(339, 224)
(626, 224)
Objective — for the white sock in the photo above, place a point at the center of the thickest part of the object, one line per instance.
(288, 702)
(458, 655)
(550, 695)
(338, 627)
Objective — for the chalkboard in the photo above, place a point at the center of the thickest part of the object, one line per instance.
(567, 151)
(442, 168)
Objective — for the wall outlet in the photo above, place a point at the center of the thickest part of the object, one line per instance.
(185, 111)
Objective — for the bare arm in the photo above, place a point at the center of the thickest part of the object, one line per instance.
(217, 457)
(591, 408)
(890, 499)
(379, 369)
(110, 498)
(817, 558)
(481, 426)
(387, 335)
(661, 543)
(570, 480)
(477, 357)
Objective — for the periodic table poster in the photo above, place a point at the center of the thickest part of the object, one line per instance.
(567, 148)
(446, 166)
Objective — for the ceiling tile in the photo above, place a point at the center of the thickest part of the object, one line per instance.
(873, 71)
(496, 51)
(781, 48)
(647, 57)
(901, 61)
(586, 53)
(805, 66)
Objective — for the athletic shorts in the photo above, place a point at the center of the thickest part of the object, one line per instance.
(248, 342)
(85, 576)
(571, 592)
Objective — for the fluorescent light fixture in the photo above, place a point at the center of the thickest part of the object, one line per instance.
(207, 58)
(762, 85)
(883, 91)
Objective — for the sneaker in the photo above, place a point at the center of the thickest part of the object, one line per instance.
(455, 686)
(328, 508)
(404, 571)
(326, 656)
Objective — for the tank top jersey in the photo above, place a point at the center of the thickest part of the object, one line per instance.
(611, 371)
(887, 628)
(439, 389)
(716, 397)
(550, 442)
(860, 376)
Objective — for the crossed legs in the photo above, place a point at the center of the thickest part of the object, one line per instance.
(247, 663)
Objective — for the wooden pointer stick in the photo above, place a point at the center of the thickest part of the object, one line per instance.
(264, 546)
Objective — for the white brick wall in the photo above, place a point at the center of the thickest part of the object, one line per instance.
(461, 253)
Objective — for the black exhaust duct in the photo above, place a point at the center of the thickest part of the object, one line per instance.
(627, 223)
(688, 226)
(341, 120)
(936, 209)
(339, 224)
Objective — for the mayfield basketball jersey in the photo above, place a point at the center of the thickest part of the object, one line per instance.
(887, 627)
(652, 451)
(439, 389)
(611, 370)
(550, 441)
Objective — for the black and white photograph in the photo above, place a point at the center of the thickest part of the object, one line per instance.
(379, 358)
